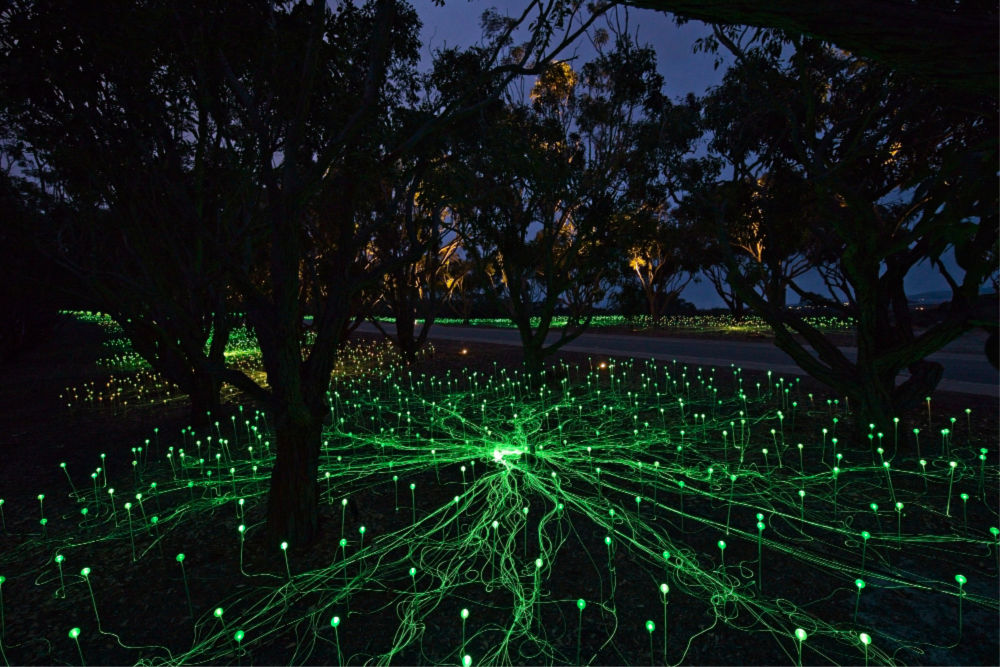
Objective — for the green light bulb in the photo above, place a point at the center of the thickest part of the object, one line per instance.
(801, 634)
(581, 604)
(865, 535)
(218, 612)
(74, 633)
(607, 540)
(860, 583)
(238, 636)
(865, 639)
(538, 563)
(722, 545)
(180, 558)
(85, 572)
(335, 621)
(664, 589)
(465, 614)
(960, 579)
(467, 660)
(413, 571)
(650, 626)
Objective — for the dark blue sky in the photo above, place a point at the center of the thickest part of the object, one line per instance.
(457, 24)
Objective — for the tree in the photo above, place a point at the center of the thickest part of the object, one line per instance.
(663, 263)
(900, 177)
(555, 190)
(129, 175)
(953, 45)
(410, 291)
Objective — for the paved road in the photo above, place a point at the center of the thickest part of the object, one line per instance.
(964, 373)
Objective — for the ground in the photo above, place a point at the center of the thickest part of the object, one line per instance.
(606, 431)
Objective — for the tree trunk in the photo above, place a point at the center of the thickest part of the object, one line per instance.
(293, 501)
(405, 326)
(205, 401)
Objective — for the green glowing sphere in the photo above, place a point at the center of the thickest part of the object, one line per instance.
(664, 589)
(465, 614)
(581, 604)
(335, 621)
(607, 540)
(865, 639)
(238, 636)
(722, 545)
(952, 463)
(650, 626)
(343, 542)
(2, 579)
(413, 571)
(466, 660)
(343, 502)
(865, 535)
(284, 546)
(74, 633)
(666, 555)
(495, 524)
(760, 525)
(760, 517)
(85, 572)
(218, 612)
(362, 530)
(41, 496)
(801, 634)
(241, 528)
(860, 583)
(874, 507)
(412, 486)
(180, 558)
(995, 531)
(60, 558)
(899, 506)
(538, 563)
(960, 579)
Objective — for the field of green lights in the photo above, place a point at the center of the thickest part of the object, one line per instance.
(701, 323)
(618, 512)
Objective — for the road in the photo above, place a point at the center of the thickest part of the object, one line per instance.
(967, 373)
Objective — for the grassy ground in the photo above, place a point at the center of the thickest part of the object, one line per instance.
(605, 432)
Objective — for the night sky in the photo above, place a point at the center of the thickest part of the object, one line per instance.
(457, 24)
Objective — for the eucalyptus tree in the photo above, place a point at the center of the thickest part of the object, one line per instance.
(130, 179)
(899, 176)
(557, 190)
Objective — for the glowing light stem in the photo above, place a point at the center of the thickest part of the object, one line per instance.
(859, 584)
(76, 493)
(413, 503)
(729, 508)
(961, 594)
(343, 509)
(131, 536)
(288, 569)
(760, 560)
(951, 481)
(187, 591)
(75, 636)
(580, 605)
(664, 589)
(3, 625)
(888, 477)
(335, 622)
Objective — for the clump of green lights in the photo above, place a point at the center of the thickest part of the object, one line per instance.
(545, 522)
